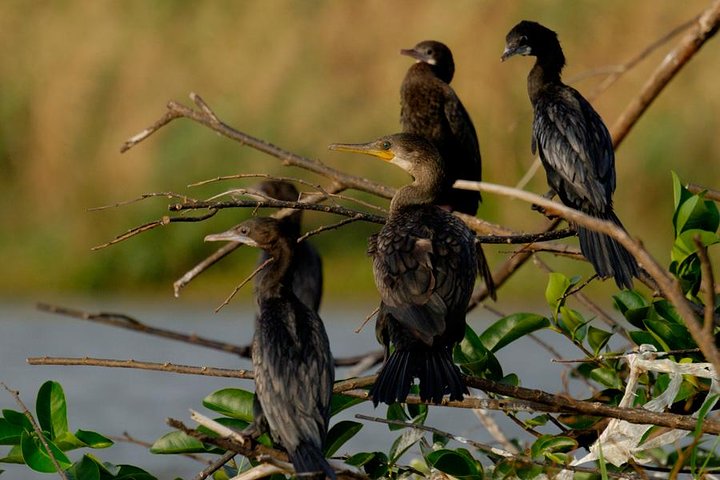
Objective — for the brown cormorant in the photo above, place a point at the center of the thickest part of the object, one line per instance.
(425, 261)
(431, 108)
(575, 148)
(307, 280)
(291, 356)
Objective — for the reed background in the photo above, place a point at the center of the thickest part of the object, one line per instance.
(79, 78)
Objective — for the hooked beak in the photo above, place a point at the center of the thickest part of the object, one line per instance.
(370, 148)
(231, 235)
(511, 51)
(417, 55)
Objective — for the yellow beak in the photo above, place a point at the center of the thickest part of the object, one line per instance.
(371, 148)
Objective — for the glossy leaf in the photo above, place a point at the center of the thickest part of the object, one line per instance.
(470, 354)
(177, 442)
(52, 409)
(232, 402)
(396, 412)
(458, 463)
(340, 433)
(131, 472)
(14, 455)
(37, 458)
(607, 377)
(93, 439)
(629, 300)
(375, 464)
(341, 402)
(558, 285)
(547, 444)
(597, 338)
(510, 328)
(696, 213)
(85, 469)
(671, 336)
(573, 323)
(10, 433)
(19, 419)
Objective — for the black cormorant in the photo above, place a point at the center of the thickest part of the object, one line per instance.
(425, 261)
(291, 356)
(431, 108)
(575, 148)
(307, 280)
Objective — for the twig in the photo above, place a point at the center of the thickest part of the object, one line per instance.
(215, 466)
(708, 193)
(709, 280)
(494, 431)
(325, 228)
(244, 282)
(207, 118)
(367, 319)
(159, 367)
(667, 284)
(206, 263)
(165, 220)
(144, 196)
(703, 29)
(37, 429)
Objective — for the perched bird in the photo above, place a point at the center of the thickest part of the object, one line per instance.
(575, 148)
(431, 108)
(291, 356)
(307, 280)
(425, 261)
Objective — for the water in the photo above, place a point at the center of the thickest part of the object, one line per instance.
(113, 401)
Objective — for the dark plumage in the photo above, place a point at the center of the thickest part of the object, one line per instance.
(291, 356)
(431, 108)
(307, 280)
(425, 261)
(575, 148)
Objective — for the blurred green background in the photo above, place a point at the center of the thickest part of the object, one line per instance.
(79, 78)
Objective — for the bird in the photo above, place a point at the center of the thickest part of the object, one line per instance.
(294, 370)
(575, 148)
(425, 261)
(307, 281)
(430, 107)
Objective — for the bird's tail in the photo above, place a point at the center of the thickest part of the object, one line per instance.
(609, 258)
(309, 462)
(437, 373)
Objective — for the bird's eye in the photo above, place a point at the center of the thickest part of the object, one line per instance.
(429, 51)
(523, 39)
(244, 230)
(386, 145)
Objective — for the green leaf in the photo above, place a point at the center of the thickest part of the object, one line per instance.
(52, 409)
(93, 439)
(470, 354)
(177, 442)
(340, 433)
(375, 464)
(19, 419)
(572, 322)
(14, 455)
(697, 213)
(10, 433)
(232, 402)
(510, 328)
(131, 472)
(629, 300)
(341, 402)
(67, 441)
(607, 377)
(396, 412)
(537, 421)
(36, 456)
(670, 335)
(457, 463)
(597, 338)
(85, 469)
(640, 337)
(558, 285)
(547, 444)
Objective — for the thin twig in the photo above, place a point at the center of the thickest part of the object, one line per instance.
(367, 319)
(215, 466)
(244, 282)
(206, 263)
(708, 279)
(708, 193)
(37, 429)
(325, 228)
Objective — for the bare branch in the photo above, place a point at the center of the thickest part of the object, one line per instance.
(326, 228)
(709, 193)
(153, 366)
(206, 263)
(207, 118)
(703, 29)
(36, 428)
(215, 466)
(244, 282)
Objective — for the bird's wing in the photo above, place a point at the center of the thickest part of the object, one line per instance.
(576, 149)
(464, 132)
(295, 371)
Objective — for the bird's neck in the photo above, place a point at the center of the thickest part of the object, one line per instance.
(276, 275)
(425, 69)
(546, 71)
(423, 191)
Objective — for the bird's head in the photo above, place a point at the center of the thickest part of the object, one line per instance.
(261, 232)
(531, 38)
(435, 54)
(411, 152)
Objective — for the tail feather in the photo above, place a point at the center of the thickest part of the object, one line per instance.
(435, 369)
(485, 273)
(608, 257)
(309, 462)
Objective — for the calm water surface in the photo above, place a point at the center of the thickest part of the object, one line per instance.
(113, 401)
